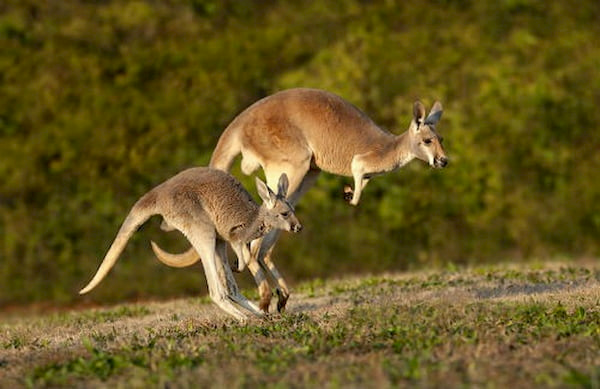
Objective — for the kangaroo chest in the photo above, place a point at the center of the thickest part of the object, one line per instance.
(336, 154)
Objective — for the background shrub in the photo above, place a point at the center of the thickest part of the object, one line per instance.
(102, 100)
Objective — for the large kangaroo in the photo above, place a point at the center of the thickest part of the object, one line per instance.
(303, 131)
(210, 207)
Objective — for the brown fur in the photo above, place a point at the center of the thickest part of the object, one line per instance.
(303, 131)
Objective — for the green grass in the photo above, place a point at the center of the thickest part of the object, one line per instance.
(482, 327)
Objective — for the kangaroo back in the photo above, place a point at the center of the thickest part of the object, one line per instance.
(141, 211)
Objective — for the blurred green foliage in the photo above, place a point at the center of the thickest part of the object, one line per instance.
(101, 100)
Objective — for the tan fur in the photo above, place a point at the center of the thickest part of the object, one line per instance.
(304, 128)
(210, 207)
(303, 131)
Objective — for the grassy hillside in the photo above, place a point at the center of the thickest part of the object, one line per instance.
(495, 326)
(101, 100)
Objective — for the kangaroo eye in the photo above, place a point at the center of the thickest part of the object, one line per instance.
(427, 141)
(285, 214)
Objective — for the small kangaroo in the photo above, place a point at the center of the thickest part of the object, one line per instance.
(303, 131)
(210, 207)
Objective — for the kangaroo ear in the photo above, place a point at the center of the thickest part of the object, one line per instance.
(265, 193)
(419, 112)
(436, 113)
(282, 186)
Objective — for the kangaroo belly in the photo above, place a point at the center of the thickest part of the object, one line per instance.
(334, 161)
(334, 154)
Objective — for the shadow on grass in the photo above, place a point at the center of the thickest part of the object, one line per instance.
(525, 289)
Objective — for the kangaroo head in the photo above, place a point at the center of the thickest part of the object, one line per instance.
(278, 212)
(425, 142)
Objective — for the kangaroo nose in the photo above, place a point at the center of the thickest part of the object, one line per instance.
(442, 161)
(297, 227)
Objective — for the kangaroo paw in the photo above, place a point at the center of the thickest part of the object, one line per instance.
(348, 193)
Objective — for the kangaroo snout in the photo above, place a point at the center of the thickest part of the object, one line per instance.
(296, 227)
(440, 162)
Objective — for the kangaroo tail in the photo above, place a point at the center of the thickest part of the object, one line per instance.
(228, 147)
(137, 216)
(185, 259)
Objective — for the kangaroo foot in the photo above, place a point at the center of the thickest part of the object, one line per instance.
(282, 299)
(265, 297)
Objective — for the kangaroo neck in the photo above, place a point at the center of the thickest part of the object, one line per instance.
(256, 229)
(402, 149)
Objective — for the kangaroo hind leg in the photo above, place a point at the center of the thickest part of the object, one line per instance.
(233, 292)
(204, 241)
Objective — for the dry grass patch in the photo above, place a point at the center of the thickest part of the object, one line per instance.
(521, 326)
